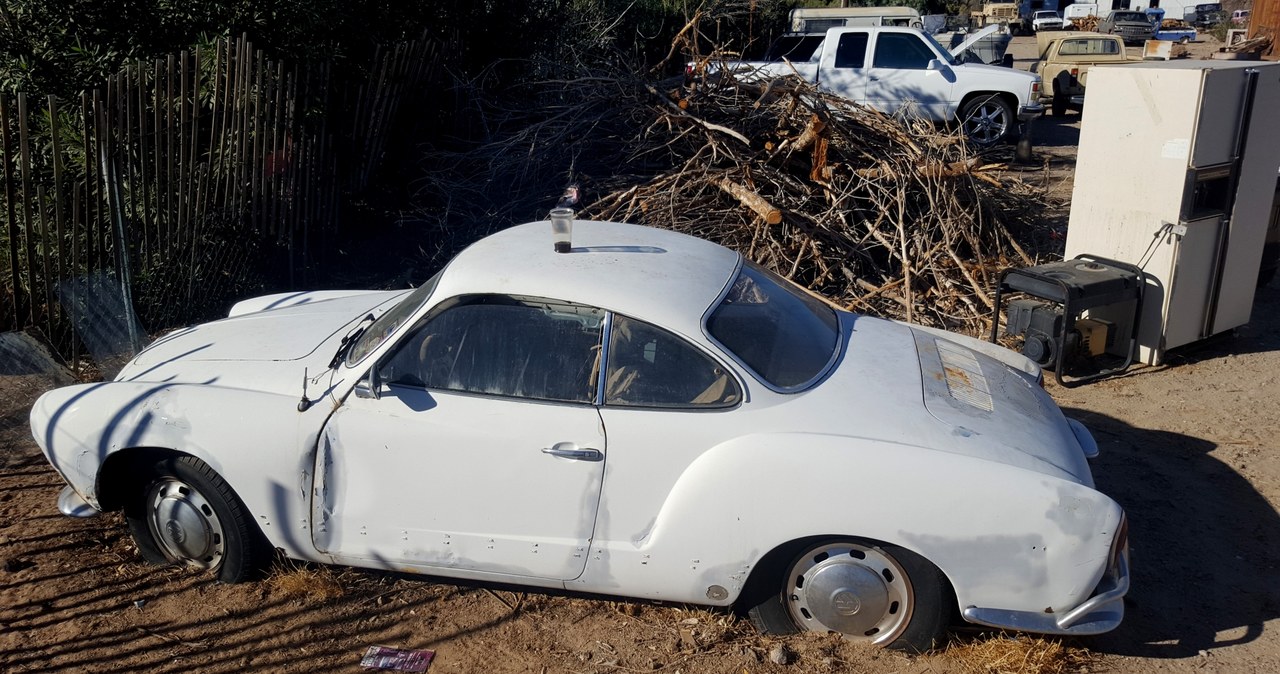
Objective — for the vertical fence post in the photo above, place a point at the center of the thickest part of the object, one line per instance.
(24, 151)
(11, 213)
(115, 206)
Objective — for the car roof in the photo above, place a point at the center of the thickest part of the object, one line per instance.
(651, 274)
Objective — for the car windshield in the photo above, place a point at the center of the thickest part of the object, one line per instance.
(387, 323)
(1130, 16)
(786, 336)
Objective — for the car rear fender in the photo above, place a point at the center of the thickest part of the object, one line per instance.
(1005, 537)
(258, 442)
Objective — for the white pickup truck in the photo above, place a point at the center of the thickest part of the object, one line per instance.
(893, 68)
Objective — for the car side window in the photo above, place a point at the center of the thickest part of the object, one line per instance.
(902, 51)
(650, 367)
(503, 347)
(851, 51)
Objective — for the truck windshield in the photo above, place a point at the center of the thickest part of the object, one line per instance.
(943, 53)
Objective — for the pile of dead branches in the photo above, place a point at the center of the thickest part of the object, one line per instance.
(883, 215)
(1089, 23)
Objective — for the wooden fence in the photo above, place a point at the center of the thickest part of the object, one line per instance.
(183, 182)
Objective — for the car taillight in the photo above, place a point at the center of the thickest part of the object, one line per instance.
(1119, 543)
(1035, 88)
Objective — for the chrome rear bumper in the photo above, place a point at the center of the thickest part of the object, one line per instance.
(1100, 613)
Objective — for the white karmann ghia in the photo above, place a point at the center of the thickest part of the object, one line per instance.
(647, 415)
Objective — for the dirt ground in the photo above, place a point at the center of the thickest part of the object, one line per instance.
(1190, 449)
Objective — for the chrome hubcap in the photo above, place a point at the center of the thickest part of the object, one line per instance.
(987, 124)
(184, 523)
(858, 591)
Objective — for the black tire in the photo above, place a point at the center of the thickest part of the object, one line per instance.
(1059, 105)
(1060, 85)
(901, 601)
(185, 514)
(1270, 263)
(987, 119)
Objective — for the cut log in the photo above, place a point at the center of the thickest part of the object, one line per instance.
(752, 200)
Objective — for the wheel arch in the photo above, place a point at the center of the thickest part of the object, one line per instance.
(761, 579)
(1006, 96)
(124, 471)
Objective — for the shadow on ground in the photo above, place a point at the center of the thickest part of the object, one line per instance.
(1204, 543)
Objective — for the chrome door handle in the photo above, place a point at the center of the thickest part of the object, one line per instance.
(568, 450)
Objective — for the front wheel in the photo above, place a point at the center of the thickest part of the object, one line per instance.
(987, 120)
(186, 514)
(871, 593)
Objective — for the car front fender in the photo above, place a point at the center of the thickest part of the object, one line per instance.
(258, 442)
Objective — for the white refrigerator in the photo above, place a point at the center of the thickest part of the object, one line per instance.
(1176, 173)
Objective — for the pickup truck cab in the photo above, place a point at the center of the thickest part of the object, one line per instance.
(896, 69)
(1046, 19)
(1065, 59)
(1134, 27)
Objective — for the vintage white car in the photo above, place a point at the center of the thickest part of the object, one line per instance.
(646, 415)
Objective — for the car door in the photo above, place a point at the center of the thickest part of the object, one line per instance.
(843, 69)
(666, 402)
(482, 452)
(899, 78)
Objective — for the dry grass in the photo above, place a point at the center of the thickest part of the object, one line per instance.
(293, 579)
(1007, 654)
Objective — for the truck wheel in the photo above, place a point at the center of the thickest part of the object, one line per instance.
(986, 119)
(1060, 85)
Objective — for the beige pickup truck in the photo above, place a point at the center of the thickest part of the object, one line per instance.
(1064, 64)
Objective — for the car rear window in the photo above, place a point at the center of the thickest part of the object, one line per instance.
(783, 334)
(1085, 47)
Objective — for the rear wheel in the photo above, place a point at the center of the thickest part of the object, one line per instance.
(1059, 105)
(1061, 84)
(987, 119)
(870, 593)
(186, 514)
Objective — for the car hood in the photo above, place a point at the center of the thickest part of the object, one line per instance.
(998, 71)
(261, 350)
(973, 39)
(962, 396)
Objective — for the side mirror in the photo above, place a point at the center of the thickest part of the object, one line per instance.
(367, 387)
(934, 64)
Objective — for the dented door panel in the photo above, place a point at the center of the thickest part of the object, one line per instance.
(426, 479)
